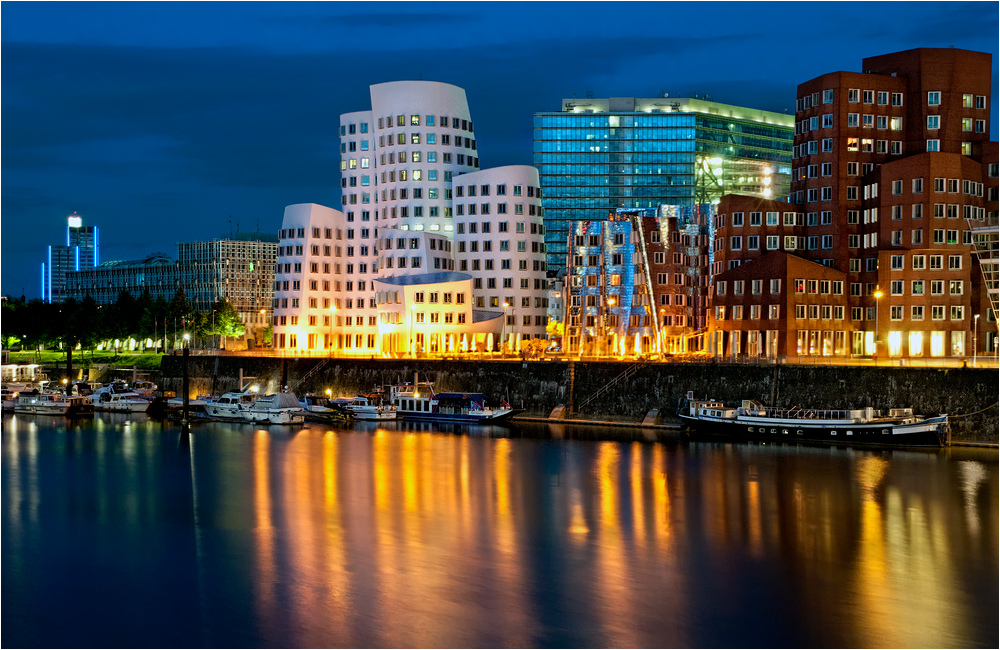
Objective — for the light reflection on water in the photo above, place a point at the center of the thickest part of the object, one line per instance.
(120, 531)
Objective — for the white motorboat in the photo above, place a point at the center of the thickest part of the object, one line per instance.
(120, 402)
(371, 407)
(51, 404)
(279, 408)
(233, 404)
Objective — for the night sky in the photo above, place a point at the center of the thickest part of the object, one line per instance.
(168, 122)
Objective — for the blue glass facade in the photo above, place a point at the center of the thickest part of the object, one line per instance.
(593, 162)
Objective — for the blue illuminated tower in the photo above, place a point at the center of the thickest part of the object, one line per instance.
(80, 252)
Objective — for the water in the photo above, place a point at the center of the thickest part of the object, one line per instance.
(114, 534)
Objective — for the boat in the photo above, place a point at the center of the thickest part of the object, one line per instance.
(754, 421)
(371, 407)
(418, 401)
(35, 403)
(120, 402)
(279, 408)
(9, 398)
(144, 388)
(116, 397)
(316, 404)
(232, 404)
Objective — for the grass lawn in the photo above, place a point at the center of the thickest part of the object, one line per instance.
(86, 359)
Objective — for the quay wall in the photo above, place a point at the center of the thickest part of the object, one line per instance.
(968, 395)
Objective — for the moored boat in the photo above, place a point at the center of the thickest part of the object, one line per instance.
(231, 405)
(371, 407)
(51, 404)
(120, 402)
(418, 401)
(279, 408)
(754, 421)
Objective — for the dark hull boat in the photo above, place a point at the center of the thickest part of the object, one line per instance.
(754, 421)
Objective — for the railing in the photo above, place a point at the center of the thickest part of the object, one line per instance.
(985, 360)
(631, 370)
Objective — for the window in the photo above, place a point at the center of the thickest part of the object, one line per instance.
(933, 145)
(897, 99)
(957, 312)
(883, 98)
(853, 95)
(868, 97)
(934, 98)
(933, 122)
(852, 119)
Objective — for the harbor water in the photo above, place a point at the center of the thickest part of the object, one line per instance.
(124, 531)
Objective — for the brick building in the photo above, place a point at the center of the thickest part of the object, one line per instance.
(891, 168)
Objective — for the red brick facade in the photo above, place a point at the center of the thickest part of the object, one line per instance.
(891, 167)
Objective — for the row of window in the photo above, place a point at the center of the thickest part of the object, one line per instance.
(938, 312)
(917, 262)
(941, 185)
(854, 120)
(502, 226)
(461, 209)
(415, 156)
(853, 95)
(937, 287)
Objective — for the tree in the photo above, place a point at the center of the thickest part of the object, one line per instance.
(178, 312)
(227, 320)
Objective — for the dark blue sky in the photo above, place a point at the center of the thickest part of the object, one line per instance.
(158, 122)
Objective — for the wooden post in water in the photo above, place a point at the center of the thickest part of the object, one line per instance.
(184, 411)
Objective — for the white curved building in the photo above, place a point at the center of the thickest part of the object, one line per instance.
(406, 169)
(500, 242)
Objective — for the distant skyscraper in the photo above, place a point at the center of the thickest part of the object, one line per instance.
(599, 155)
(80, 252)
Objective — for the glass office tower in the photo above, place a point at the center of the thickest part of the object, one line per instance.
(599, 155)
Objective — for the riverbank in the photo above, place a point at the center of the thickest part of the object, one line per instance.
(621, 394)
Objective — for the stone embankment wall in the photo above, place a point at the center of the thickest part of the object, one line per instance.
(538, 387)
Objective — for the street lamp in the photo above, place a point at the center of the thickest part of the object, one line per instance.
(187, 338)
(975, 339)
(877, 294)
(413, 315)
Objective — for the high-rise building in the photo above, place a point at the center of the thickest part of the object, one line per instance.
(892, 169)
(80, 252)
(427, 254)
(599, 155)
(238, 267)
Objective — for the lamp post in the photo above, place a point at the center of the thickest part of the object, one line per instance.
(975, 339)
(877, 294)
(413, 315)
(187, 339)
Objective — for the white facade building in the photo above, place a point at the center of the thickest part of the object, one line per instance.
(500, 241)
(409, 222)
